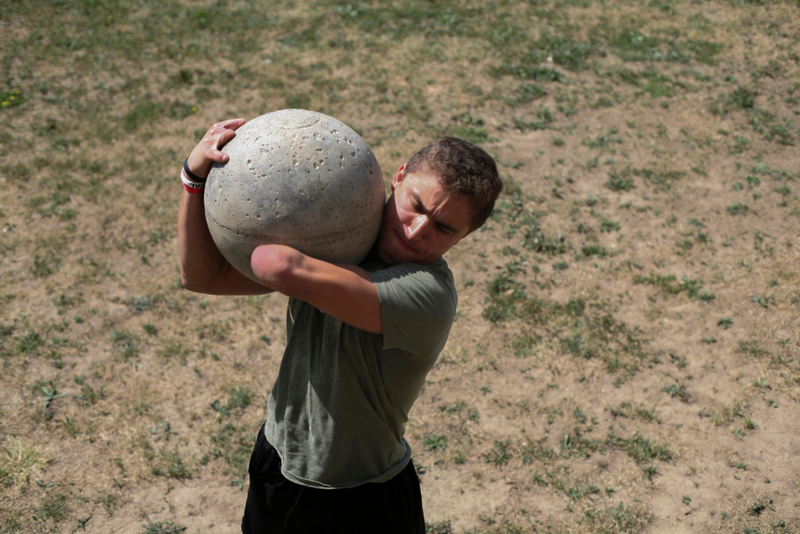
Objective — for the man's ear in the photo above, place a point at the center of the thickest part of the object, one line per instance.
(399, 175)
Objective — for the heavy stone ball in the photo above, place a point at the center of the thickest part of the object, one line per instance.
(296, 178)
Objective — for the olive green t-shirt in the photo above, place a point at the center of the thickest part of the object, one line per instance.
(339, 405)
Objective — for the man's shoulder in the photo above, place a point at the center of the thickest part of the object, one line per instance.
(437, 268)
(433, 275)
(432, 285)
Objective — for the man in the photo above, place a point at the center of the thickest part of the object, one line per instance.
(360, 341)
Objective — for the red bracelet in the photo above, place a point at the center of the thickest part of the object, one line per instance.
(191, 186)
(193, 190)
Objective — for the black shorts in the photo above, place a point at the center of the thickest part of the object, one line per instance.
(276, 505)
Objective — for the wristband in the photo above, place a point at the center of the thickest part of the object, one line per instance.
(192, 176)
(194, 188)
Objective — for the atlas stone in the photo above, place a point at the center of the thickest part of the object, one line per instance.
(296, 178)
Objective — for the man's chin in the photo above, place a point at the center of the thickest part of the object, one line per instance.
(398, 256)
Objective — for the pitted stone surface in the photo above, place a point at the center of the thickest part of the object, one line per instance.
(296, 178)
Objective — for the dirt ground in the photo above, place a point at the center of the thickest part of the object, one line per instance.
(626, 354)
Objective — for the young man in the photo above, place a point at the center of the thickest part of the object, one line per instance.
(360, 341)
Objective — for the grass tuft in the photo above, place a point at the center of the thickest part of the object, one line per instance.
(619, 519)
(19, 463)
(163, 527)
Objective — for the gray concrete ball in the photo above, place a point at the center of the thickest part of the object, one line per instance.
(296, 178)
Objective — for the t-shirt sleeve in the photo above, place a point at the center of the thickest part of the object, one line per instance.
(418, 304)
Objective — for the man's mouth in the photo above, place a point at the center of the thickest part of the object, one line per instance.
(404, 244)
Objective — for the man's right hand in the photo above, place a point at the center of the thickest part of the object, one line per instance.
(207, 152)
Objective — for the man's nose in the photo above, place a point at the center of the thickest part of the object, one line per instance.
(416, 227)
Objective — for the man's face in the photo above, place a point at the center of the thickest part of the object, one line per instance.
(421, 220)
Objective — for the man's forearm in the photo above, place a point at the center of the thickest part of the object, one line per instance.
(344, 291)
(201, 260)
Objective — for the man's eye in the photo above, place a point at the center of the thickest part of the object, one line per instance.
(445, 230)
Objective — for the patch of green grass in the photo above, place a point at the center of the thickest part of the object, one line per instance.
(740, 144)
(53, 508)
(619, 181)
(771, 127)
(19, 462)
(109, 502)
(631, 44)
(669, 284)
(544, 118)
(140, 304)
(528, 72)
(44, 266)
(761, 505)
(578, 492)
(147, 110)
(658, 88)
(239, 399)
(660, 180)
(456, 407)
(29, 344)
(234, 445)
(677, 390)
(173, 351)
(752, 348)
(607, 225)
(420, 18)
(640, 448)
(576, 346)
(603, 102)
(593, 249)
(47, 206)
(565, 52)
(171, 464)
(573, 308)
(536, 240)
(737, 208)
(163, 527)
(626, 409)
(538, 450)
(704, 51)
(88, 394)
(473, 134)
(506, 296)
(525, 92)
(575, 445)
(17, 172)
(783, 190)
(150, 329)
(500, 454)
(125, 344)
(440, 527)
(617, 519)
(11, 98)
(605, 140)
(434, 442)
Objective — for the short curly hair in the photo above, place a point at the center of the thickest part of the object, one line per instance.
(463, 169)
